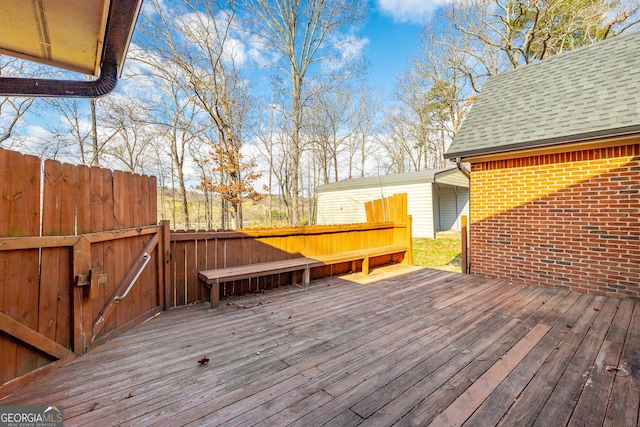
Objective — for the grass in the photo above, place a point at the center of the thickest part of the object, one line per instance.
(442, 253)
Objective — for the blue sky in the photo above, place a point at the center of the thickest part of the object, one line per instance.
(393, 30)
(390, 35)
(390, 46)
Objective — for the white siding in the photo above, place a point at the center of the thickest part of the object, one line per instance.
(343, 207)
(343, 202)
(347, 206)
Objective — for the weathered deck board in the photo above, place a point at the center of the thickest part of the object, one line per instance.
(411, 349)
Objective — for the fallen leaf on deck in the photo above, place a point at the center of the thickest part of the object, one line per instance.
(129, 396)
(93, 406)
(610, 368)
(203, 361)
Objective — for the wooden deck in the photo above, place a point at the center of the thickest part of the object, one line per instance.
(426, 347)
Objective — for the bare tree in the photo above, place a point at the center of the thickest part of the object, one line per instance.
(196, 43)
(364, 116)
(74, 131)
(128, 120)
(330, 118)
(415, 120)
(78, 130)
(305, 41)
(12, 109)
(397, 141)
(472, 40)
(492, 36)
(265, 128)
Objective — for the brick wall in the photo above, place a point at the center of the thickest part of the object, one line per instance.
(570, 219)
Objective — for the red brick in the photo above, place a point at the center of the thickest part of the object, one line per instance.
(585, 230)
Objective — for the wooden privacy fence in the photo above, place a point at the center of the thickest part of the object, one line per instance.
(72, 238)
(205, 250)
(82, 258)
(389, 209)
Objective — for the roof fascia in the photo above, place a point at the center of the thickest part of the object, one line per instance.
(560, 148)
(549, 142)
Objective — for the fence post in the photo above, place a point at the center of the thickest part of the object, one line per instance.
(465, 246)
(409, 257)
(164, 259)
(82, 314)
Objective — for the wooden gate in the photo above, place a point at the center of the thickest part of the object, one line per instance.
(72, 241)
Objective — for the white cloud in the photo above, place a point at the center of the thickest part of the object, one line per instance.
(353, 47)
(348, 48)
(415, 11)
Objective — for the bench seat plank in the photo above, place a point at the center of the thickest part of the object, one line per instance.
(250, 271)
(213, 278)
(359, 254)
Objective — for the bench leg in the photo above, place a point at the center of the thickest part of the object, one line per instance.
(214, 294)
(306, 277)
(365, 266)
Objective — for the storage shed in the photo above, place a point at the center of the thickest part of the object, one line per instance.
(554, 149)
(437, 198)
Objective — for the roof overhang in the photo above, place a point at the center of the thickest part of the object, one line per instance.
(573, 146)
(86, 36)
(452, 177)
(429, 176)
(556, 144)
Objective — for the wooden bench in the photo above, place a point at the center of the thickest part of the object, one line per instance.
(213, 278)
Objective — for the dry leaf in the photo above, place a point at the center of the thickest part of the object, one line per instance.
(203, 361)
(610, 368)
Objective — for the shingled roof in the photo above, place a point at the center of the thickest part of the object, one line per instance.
(589, 93)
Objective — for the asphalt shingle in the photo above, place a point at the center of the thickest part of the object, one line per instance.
(590, 92)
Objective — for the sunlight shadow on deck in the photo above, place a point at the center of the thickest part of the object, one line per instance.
(401, 349)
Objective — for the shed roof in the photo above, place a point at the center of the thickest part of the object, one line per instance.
(590, 93)
(443, 176)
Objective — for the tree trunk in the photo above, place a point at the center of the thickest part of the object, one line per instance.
(95, 160)
(295, 154)
(183, 196)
